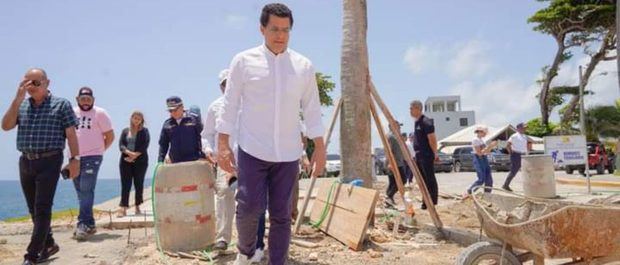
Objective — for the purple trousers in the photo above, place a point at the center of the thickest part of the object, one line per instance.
(258, 180)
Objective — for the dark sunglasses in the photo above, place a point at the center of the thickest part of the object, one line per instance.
(35, 82)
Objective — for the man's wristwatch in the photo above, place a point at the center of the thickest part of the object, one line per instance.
(74, 158)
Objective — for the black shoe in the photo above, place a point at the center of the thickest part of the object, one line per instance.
(220, 245)
(505, 187)
(47, 253)
(28, 262)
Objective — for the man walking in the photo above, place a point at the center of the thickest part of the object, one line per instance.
(425, 146)
(400, 163)
(95, 135)
(180, 134)
(518, 144)
(43, 123)
(225, 195)
(266, 89)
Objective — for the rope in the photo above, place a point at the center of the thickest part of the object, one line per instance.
(318, 223)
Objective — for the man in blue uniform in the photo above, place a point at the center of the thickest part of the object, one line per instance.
(180, 135)
(425, 146)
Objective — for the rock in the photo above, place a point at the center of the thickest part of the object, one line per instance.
(313, 256)
(424, 237)
(89, 256)
(3, 241)
(379, 237)
(374, 254)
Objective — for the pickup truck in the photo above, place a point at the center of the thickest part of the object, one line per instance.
(598, 159)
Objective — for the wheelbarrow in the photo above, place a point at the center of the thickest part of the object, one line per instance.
(525, 229)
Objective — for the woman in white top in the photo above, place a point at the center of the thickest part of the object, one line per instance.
(481, 162)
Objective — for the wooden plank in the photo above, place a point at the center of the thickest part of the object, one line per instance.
(416, 171)
(304, 206)
(348, 214)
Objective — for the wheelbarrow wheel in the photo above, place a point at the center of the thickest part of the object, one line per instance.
(486, 253)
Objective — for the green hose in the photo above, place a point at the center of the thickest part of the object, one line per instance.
(161, 252)
(318, 223)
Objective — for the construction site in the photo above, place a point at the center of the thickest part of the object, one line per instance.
(555, 211)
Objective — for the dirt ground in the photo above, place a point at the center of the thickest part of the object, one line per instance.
(414, 245)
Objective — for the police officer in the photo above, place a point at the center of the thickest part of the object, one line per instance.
(180, 134)
(425, 146)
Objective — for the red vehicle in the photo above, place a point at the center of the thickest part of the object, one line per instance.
(598, 158)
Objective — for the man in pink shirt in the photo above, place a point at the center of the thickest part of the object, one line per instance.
(95, 135)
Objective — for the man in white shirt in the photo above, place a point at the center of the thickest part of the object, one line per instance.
(225, 195)
(518, 144)
(266, 89)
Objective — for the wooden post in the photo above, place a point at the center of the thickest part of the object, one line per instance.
(313, 178)
(416, 172)
(390, 156)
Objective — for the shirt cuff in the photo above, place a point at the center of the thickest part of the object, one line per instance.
(224, 127)
(315, 132)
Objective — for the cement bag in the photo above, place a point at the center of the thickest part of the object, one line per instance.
(184, 206)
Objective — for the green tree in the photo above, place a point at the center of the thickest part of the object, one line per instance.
(535, 127)
(326, 86)
(571, 23)
(602, 122)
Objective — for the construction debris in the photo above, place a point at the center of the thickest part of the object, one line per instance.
(304, 244)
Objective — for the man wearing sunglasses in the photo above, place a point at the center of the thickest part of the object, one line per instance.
(43, 123)
(180, 135)
(267, 88)
(95, 135)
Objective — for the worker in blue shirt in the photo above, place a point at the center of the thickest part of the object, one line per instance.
(180, 134)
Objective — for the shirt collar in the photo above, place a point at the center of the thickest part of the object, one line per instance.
(270, 54)
(45, 101)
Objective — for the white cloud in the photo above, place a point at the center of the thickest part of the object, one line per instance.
(469, 60)
(460, 61)
(422, 58)
(236, 21)
(499, 102)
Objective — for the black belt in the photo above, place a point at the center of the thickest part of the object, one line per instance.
(35, 156)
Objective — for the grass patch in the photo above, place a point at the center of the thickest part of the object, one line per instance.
(57, 215)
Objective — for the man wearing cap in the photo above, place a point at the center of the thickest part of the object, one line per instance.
(180, 134)
(518, 144)
(225, 195)
(95, 135)
(43, 123)
(267, 88)
(400, 163)
(425, 146)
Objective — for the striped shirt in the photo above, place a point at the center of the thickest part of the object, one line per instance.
(42, 128)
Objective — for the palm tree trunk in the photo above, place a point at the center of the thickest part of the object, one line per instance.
(618, 38)
(355, 117)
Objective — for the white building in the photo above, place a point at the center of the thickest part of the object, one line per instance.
(448, 116)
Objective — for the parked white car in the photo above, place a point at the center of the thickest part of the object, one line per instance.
(332, 165)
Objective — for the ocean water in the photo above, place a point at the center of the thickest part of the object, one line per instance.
(13, 203)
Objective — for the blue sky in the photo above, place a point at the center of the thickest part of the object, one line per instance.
(134, 54)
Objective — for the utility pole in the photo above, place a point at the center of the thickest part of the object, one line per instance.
(582, 124)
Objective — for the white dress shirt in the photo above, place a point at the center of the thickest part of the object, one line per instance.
(209, 133)
(268, 92)
(519, 142)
